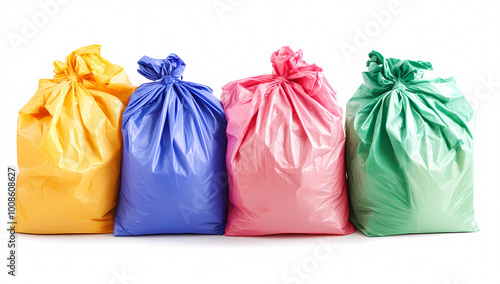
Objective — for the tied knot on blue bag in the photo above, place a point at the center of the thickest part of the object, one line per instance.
(169, 79)
(166, 71)
(390, 74)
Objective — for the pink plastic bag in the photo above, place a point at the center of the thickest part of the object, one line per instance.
(285, 157)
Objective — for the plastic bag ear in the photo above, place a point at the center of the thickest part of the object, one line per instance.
(150, 68)
(175, 65)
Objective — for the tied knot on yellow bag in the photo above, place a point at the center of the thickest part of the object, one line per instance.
(69, 147)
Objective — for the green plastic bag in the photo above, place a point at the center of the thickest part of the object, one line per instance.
(409, 151)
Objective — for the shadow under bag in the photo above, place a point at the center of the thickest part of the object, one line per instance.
(409, 151)
(173, 173)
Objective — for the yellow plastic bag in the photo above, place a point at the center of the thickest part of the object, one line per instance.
(69, 147)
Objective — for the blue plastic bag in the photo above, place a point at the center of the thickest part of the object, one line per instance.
(174, 176)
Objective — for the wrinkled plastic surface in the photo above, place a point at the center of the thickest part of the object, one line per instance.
(69, 147)
(409, 151)
(174, 177)
(285, 154)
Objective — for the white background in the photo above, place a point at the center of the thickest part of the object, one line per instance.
(460, 38)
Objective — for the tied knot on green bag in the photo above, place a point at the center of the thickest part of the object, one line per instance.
(385, 75)
(398, 85)
(394, 87)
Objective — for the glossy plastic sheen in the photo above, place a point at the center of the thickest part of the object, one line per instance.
(69, 147)
(174, 177)
(285, 155)
(409, 151)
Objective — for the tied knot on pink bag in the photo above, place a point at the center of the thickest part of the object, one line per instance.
(287, 63)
